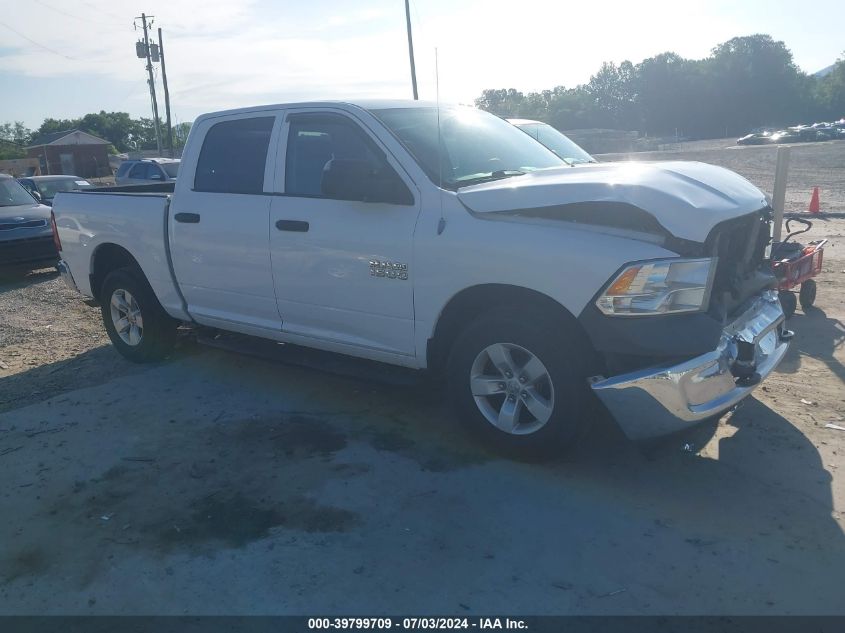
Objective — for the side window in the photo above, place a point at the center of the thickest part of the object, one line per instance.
(124, 167)
(316, 139)
(139, 170)
(233, 156)
(154, 172)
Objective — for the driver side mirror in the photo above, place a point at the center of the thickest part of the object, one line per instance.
(349, 179)
(35, 194)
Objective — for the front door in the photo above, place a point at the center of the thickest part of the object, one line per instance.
(219, 225)
(343, 269)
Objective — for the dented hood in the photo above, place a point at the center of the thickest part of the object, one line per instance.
(686, 199)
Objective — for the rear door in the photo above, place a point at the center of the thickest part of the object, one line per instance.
(342, 268)
(219, 224)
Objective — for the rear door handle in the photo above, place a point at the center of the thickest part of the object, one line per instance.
(187, 218)
(292, 225)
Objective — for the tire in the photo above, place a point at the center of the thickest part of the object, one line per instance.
(150, 333)
(533, 346)
(807, 295)
(788, 302)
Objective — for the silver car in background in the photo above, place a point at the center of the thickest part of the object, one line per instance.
(147, 170)
(556, 141)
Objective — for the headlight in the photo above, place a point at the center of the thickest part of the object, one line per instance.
(665, 286)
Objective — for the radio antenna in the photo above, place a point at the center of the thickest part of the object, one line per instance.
(442, 223)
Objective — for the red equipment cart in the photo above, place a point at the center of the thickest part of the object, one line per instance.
(796, 264)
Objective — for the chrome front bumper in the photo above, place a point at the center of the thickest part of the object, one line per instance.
(661, 400)
(67, 276)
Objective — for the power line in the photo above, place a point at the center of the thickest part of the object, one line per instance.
(38, 44)
(71, 15)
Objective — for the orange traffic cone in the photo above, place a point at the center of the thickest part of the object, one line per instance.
(814, 201)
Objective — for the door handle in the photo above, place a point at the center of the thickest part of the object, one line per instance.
(298, 226)
(187, 218)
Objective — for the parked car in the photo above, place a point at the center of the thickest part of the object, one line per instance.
(555, 140)
(26, 238)
(147, 170)
(786, 136)
(444, 238)
(755, 138)
(45, 188)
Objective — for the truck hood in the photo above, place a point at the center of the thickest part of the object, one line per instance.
(684, 199)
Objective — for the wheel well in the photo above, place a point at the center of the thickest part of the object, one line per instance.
(470, 303)
(108, 257)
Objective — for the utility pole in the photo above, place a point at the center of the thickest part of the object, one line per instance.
(166, 95)
(411, 50)
(151, 81)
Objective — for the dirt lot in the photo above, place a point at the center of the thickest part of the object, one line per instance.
(219, 483)
(811, 165)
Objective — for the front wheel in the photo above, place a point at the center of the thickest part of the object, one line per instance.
(137, 325)
(514, 380)
(807, 295)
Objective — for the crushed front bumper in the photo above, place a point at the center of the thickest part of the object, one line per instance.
(664, 399)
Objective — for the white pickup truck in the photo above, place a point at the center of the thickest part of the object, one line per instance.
(444, 238)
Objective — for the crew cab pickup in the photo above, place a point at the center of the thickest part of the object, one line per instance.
(444, 238)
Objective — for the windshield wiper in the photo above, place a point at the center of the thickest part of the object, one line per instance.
(500, 174)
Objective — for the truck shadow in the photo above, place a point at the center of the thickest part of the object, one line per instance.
(818, 336)
(740, 522)
(17, 278)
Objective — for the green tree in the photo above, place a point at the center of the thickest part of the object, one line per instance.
(755, 82)
(503, 102)
(831, 91)
(50, 125)
(116, 127)
(180, 134)
(14, 137)
(613, 91)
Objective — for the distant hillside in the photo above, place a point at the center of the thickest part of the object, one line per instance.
(824, 71)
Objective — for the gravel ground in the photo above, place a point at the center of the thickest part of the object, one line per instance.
(811, 165)
(217, 483)
(43, 326)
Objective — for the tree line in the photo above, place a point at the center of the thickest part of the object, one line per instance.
(745, 83)
(123, 132)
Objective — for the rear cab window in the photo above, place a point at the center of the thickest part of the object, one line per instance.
(234, 155)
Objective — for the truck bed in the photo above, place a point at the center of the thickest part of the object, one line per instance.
(136, 221)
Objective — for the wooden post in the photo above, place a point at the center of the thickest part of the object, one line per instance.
(779, 193)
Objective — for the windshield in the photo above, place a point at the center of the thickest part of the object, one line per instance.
(476, 146)
(559, 143)
(171, 169)
(13, 194)
(49, 188)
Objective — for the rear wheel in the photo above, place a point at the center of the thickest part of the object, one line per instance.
(807, 296)
(514, 380)
(137, 325)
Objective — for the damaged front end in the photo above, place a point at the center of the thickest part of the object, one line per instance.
(670, 397)
(666, 373)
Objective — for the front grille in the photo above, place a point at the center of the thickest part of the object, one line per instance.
(32, 249)
(743, 270)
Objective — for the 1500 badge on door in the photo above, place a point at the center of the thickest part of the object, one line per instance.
(391, 270)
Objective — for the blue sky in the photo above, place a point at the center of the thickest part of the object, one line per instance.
(63, 58)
